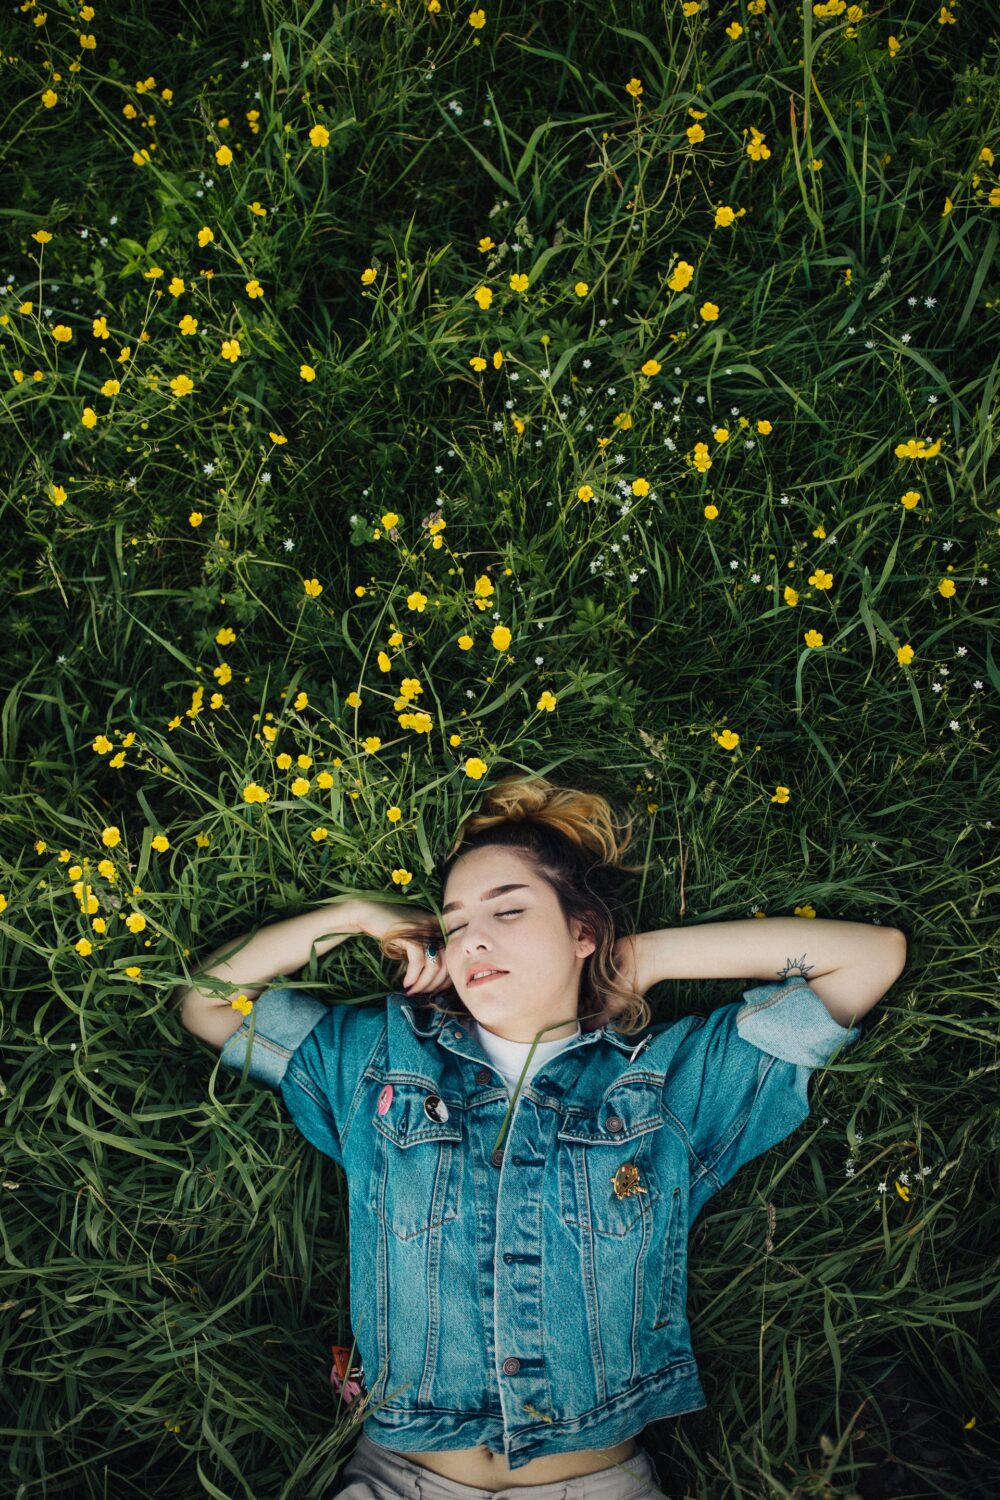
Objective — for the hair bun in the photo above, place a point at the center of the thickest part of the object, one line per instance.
(586, 819)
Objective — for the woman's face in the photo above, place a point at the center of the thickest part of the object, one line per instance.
(521, 931)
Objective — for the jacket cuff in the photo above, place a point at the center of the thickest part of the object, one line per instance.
(790, 1021)
(280, 1019)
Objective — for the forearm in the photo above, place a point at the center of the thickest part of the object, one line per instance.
(254, 959)
(758, 948)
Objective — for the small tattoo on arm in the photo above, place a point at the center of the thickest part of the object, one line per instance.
(796, 966)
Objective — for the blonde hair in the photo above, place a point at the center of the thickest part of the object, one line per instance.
(574, 840)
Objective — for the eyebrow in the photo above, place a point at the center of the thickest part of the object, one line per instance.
(498, 890)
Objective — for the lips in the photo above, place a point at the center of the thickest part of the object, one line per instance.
(498, 975)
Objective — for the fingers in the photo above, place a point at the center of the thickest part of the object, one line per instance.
(426, 978)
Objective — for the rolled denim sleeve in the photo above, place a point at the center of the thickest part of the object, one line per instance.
(790, 1021)
(744, 1077)
(315, 1055)
(276, 1024)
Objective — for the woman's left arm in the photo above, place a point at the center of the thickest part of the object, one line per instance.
(849, 965)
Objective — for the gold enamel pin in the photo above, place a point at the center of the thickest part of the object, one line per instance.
(626, 1181)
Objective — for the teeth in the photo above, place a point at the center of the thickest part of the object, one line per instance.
(481, 973)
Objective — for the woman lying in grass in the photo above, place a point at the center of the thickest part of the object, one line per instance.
(525, 1152)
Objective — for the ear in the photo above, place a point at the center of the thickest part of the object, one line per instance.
(584, 938)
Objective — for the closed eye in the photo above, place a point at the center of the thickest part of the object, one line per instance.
(515, 911)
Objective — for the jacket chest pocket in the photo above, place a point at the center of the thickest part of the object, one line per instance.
(417, 1166)
(607, 1178)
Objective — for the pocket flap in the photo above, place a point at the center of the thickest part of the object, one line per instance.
(406, 1122)
(626, 1111)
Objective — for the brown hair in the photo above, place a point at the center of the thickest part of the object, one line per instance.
(573, 840)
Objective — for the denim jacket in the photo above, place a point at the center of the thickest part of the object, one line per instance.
(531, 1295)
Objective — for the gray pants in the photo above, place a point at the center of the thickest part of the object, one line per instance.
(375, 1473)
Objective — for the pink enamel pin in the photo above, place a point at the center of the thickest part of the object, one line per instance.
(385, 1099)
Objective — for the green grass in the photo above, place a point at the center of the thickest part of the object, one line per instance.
(175, 1255)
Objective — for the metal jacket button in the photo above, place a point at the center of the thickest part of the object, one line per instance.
(511, 1366)
(497, 1157)
(615, 1123)
(483, 1075)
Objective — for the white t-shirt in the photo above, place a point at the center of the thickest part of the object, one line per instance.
(508, 1057)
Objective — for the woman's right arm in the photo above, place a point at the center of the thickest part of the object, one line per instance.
(247, 965)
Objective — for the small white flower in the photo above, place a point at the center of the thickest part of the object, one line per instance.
(932, 401)
(904, 338)
(288, 544)
(265, 478)
(883, 1187)
(60, 658)
(208, 468)
(913, 301)
(930, 302)
(265, 57)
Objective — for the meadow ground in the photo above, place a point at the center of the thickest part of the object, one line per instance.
(396, 396)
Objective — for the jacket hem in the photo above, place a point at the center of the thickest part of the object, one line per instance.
(668, 1393)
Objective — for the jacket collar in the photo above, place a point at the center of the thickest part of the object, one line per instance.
(431, 1023)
